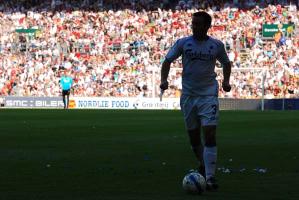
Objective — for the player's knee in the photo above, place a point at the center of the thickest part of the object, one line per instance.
(195, 138)
(210, 142)
(195, 143)
(210, 136)
(196, 148)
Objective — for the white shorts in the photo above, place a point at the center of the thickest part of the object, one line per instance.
(199, 111)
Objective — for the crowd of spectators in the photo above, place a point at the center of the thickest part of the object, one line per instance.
(115, 48)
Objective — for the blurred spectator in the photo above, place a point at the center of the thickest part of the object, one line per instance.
(115, 48)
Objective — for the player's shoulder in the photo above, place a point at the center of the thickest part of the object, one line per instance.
(216, 41)
(187, 38)
(183, 40)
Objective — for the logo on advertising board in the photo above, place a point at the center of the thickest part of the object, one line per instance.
(33, 102)
(72, 103)
(91, 103)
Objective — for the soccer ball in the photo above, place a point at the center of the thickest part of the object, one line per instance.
(194, 183)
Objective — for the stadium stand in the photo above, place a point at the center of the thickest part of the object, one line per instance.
(115, 48)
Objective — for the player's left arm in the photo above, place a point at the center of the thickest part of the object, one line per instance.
(222, 57)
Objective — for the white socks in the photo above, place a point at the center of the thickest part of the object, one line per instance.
(210, 158)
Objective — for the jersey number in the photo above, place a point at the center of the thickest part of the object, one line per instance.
(214, 107)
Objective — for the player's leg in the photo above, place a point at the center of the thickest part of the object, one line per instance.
(209, 113)
(193, 129)
(197, 147)
(63, 99)
(210, 155)
(67, 100)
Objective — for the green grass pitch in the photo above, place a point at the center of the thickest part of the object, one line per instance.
(136, 155)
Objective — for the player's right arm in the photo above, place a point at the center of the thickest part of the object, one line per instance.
(175, 52)
(60, 82)
(164, 74)
(226, 75)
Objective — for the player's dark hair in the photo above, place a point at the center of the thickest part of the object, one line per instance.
(205, 16)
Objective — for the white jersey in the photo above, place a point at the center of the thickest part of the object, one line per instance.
(199, 59)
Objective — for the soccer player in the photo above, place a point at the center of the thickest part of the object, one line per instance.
(199, 99)
(66, 84)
